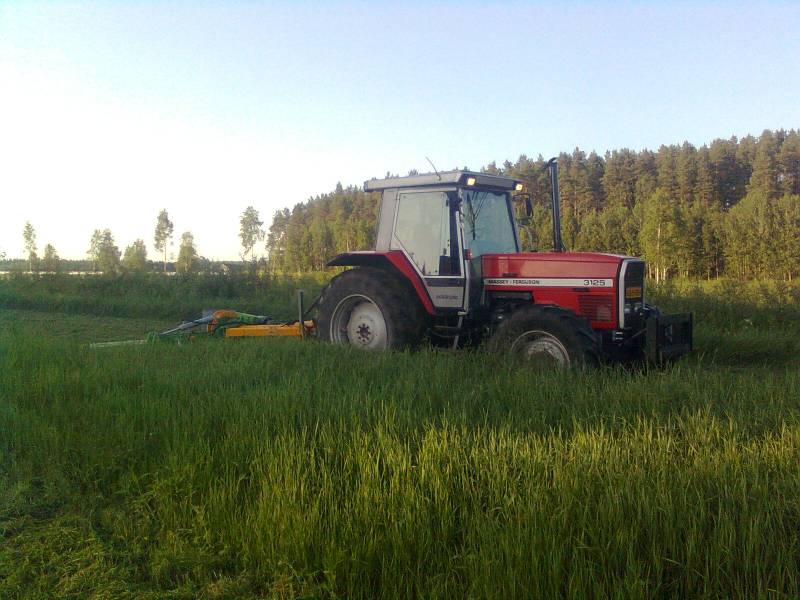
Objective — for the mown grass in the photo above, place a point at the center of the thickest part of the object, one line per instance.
(281, 468)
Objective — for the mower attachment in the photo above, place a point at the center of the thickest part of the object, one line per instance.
(668, 337)
(229, 324)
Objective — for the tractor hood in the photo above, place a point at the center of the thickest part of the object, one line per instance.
(527, 265)
(587, 283)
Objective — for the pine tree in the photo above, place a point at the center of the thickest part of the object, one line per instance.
(764, 178)
(705, 192)
(595, 168)
(666, 163)
(686, 173)
(728, 172)
(746, 151)
(276, 241)
(789, 164)
(786, 238)
(619, 178)
(645, 177)
(320, 237)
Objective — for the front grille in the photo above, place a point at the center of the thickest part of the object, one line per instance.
(597, 308)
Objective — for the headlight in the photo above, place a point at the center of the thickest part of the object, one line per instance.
(633, 308)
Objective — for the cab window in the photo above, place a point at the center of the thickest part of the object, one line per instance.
(488, 224)
(425, 229)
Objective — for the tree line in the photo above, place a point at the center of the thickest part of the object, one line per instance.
(731, 207)
(105, 256)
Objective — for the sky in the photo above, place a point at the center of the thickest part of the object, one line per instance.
(111, 111)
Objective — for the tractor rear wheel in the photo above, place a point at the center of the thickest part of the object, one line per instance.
(372, 309)
(547, 337)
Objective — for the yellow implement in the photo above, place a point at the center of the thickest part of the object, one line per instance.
(283, 330)
(229, 324)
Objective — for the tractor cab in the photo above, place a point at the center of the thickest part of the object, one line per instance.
(443, 223)
(447, 266)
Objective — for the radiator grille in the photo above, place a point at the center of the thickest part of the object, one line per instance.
(597, 308)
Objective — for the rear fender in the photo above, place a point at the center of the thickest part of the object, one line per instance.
(394, 260)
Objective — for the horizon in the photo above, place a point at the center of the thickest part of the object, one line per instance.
(113, 112)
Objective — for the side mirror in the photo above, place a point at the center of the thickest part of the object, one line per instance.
(525, 200)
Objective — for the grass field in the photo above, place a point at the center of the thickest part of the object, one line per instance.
(281, 468)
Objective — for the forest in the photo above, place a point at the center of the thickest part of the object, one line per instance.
(729, 208)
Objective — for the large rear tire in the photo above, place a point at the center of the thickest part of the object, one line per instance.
(372, 309)
(547, 337)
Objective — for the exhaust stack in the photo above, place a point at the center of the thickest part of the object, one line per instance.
(558, 245)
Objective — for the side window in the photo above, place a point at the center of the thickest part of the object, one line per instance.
(423, 230)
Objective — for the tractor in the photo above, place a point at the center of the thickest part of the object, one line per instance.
(447, 267)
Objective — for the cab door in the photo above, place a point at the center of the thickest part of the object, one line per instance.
(425, 228)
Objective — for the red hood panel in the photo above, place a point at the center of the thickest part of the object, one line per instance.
(583, 282)
(551, 264)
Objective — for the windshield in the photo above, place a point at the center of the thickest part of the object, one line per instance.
(488, 227)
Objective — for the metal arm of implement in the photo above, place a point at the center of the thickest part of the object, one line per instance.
(300, 328)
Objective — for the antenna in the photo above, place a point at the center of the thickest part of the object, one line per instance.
(434, 168)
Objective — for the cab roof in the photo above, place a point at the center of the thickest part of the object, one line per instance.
(442, 178)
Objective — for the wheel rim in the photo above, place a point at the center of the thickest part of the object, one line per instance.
(358, 321)
(541, 349)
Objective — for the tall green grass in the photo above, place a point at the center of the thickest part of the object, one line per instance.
(153, 295)
(725, 303)
(281, 468)
(732, 305)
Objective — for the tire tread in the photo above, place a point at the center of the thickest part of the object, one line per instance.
(404, 315)
(572, 330)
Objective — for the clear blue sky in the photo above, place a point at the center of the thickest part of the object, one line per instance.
(110, 111)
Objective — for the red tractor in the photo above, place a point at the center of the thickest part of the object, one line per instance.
(447, 266)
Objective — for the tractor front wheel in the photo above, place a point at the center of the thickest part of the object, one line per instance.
(547, 337)
(372, 309)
